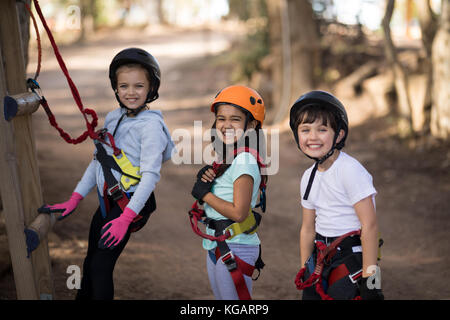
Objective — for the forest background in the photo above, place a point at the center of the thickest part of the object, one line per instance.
(387, 61)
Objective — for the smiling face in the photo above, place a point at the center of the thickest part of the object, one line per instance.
(132, 86)
(230, 123)
(316, 138)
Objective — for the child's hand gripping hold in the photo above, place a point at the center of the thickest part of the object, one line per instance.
(65, 208)
(114, 231)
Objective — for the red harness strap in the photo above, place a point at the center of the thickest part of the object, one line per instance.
(122, 203)
(342, 271)
(195, 215)
(236, 266)
(242, 268)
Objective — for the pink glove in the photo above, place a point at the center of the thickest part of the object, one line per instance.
(66, 207)
(114, 231)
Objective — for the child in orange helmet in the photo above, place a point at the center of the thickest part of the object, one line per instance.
(229, 190)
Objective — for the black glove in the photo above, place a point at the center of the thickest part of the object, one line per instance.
(367, 293)
(202, 171)
(201, 188)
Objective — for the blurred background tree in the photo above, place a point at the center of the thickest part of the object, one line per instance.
(396, 52)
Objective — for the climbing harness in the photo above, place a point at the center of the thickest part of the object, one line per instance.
(324, 256)
(224, 230)
(227, 229)
(130, 175)
(322, 269)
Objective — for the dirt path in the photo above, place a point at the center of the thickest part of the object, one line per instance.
(165, 260)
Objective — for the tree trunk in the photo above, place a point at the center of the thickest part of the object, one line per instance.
(428, 26)
(440, 114)
(405, 127)
(88, 11)
(161, 14)
(294, 47)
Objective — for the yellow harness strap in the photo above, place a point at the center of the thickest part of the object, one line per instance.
(247, 226)
(128, 168)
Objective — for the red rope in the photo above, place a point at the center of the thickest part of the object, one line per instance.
(90, 132)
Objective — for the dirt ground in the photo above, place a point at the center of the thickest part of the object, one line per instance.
(165, 259)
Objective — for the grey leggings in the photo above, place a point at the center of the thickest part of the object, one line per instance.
(220, 279)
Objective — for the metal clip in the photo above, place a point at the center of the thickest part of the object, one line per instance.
(115, 192)
(228, 260)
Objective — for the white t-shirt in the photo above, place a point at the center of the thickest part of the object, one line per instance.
(333, 194)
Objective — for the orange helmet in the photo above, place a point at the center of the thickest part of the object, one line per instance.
(244, 97)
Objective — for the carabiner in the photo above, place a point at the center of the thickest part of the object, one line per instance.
(34, 85)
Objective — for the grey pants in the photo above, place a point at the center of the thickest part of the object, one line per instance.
(220, 279)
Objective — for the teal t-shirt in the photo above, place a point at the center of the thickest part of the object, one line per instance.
(244, 163)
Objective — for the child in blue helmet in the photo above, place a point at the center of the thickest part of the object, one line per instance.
(126, 167)
(339, 232)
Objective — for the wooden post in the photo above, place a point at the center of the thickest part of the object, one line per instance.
(13, 209)
(19, 170)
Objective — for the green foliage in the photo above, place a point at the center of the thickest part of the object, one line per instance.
(245, 10)
(255, 46)
(250, 53)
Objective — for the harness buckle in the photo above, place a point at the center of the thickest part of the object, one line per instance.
(115, 192)
(355, 276)
(228, 260)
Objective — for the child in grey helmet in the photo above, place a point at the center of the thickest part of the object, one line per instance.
(339, 232)
(125, 169)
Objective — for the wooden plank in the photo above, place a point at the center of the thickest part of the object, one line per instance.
(22, 153)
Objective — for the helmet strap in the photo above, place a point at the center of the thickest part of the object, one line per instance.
(133, 112)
